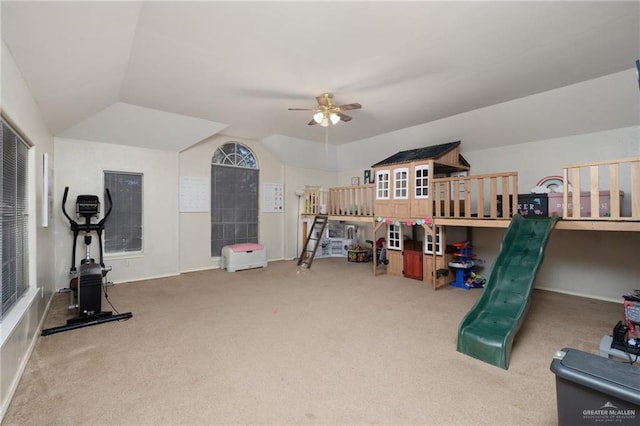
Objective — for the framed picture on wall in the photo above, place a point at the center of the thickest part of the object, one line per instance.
(47, 190)
(368, 178)
(355, 180)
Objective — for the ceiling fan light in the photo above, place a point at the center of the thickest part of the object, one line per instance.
(317, 117)
(335, 118)
(325, 122)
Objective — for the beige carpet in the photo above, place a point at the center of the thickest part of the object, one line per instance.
(330, 345)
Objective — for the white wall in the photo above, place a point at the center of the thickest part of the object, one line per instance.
(195, 228)
(596, 264)
(302, 153)
(21, 326)
(80, 166)
(605, 103)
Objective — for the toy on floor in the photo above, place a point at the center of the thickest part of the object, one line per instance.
(632, 312)
(380, 249)
(475, 280)
(464, 265)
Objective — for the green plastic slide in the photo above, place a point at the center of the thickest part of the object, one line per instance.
(488, 329)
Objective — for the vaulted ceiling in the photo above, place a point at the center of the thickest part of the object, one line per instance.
(168, 74)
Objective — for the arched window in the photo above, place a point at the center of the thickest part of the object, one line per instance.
(234, 197)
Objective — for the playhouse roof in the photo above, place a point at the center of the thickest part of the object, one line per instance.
(426, 153)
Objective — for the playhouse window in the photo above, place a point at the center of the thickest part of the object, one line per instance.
(422, 181)
(429, 245)
(401, 183)
(394, 238)
(382, 185)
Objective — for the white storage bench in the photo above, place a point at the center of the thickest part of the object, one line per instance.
(237, 257)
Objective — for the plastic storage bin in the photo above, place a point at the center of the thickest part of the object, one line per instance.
(528, 205)
(604, 203)
(357, 256)
(593, 390)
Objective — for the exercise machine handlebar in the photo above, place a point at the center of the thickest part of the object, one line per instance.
(86, 227)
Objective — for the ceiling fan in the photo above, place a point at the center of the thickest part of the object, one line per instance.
(327, 112)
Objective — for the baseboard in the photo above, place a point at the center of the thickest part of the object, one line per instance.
(154, 277)
(573, 293)
(207, 268)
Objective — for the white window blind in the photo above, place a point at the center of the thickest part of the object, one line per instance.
(234, 197)
(14, 217)
(123, 227)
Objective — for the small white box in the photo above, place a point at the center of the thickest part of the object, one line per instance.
(237, 257)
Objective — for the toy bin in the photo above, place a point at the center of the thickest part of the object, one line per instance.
(357, 256)
(591, 389)
(632, 317)
(604, 203)
(528, 205)
(237, 257)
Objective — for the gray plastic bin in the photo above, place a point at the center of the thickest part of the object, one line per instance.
(593, 390)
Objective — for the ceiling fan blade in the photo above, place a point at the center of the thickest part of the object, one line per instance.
(327, 108)
(348, 107)
(324, 99)
(343, 117)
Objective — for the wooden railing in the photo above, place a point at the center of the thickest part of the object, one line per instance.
(494, 195)
(315, 201)
(589, 199)
(355, 200)
(487, 196)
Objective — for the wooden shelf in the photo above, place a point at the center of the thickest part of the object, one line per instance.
(598, 225)
(566, 224)
(573, 225)
(351, 218)
(480, 223)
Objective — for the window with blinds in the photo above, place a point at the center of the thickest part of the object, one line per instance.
(14, 246)
(123, 227)
(234, 197)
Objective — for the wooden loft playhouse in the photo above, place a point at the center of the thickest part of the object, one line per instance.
(423, 196)
(419, 193)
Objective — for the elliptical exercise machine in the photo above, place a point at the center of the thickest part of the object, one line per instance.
(86, 286)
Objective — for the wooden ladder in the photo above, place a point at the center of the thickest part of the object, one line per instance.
(315, 234)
